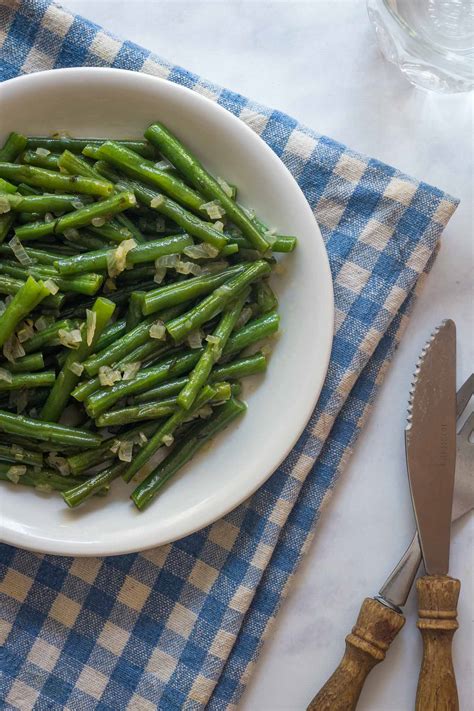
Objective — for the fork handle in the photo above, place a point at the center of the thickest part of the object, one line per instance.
(437, 612)
(375, 629)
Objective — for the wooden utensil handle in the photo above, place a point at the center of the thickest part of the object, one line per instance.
(437, 611)
(375, 629)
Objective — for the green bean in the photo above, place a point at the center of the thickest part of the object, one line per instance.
(212, 352)
(25, 300)
(18, 455)
(265, 297)
(77, 165)
(136, 276)
(111, 231)
(141, 169)
(27, 364)
(49, 161)
(176, 293)
(84, 489)
(41, 203)
(127, 224)
(87, 284)
(86, 240)
(252, 332)
(13, 146)
(81, 462)
(79, 218)
(35, 255)
(100, 401)
(120, 348)
(44, 480)
(28, 380)
(184, 450)
(47, 337)
(141, 254)
(134, 311)
(67, 379)
(166, 430)
(193, 170)
(241, 368)
(76, 145)
(47, 431)
(6, 222)
(51, 180)
(280, 243)
(110, 334)
(213, 304)
(26, 190)
(6, 187)
(11, 286)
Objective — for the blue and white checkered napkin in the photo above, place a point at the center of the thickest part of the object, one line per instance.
(180, 627)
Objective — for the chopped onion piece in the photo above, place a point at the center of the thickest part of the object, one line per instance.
(49, 217)
(158, 330)
(59, 463)
(109, 376)
(195, 338)
(160, 274)
(77, 204)
(201, 251)
(115, 446)
(15, 472)
(42, 151)
(142, 439)
(25, 332)
(188, 268)
(168, 260)
(214, 209)
(12, 349)
(130, 370)
(51, 286)
(245, 315)
(3, 307)
(91, 321)
(225, 187)
(109, 286)
(125, 232)
(19, 399)
(42, 323)
(70, 339)
(44, 488)
(125, 451)
(249, 212)
(98, 221)
(117, 259)
(204, 412)
(163, 164)
(76, 368)
(17, 451)
(71, 233)
(4, 205)
(219, 226)
(157, 201)
(6, 375)
(19, 251)
(168, 440)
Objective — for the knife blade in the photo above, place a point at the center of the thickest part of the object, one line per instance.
(430, 443)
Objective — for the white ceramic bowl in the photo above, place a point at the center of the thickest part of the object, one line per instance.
(117, 103)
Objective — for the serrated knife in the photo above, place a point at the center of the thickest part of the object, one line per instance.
(430, 443)
(380, 618)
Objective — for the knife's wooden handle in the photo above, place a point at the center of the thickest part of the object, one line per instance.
(375, 629)
(437, 611)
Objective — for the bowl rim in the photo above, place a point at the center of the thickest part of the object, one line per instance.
(130, 544)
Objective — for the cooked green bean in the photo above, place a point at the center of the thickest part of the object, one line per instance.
(49, 161)
(141, 254)
(24, 301)
(77, 165)
(47, 431)
(84, 489)
(19, 381)
(18, 455)
(45, 480)
(51, 180)
(13, 146)
(6, 187)
(27, 364)
(79, 218)
(76, 145)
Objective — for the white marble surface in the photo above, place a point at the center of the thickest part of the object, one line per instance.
(318, 61)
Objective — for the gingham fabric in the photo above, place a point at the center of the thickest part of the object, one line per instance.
(181, 626)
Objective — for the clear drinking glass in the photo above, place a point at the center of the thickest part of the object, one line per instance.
(431, 41)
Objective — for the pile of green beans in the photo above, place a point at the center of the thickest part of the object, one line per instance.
(134, 297)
